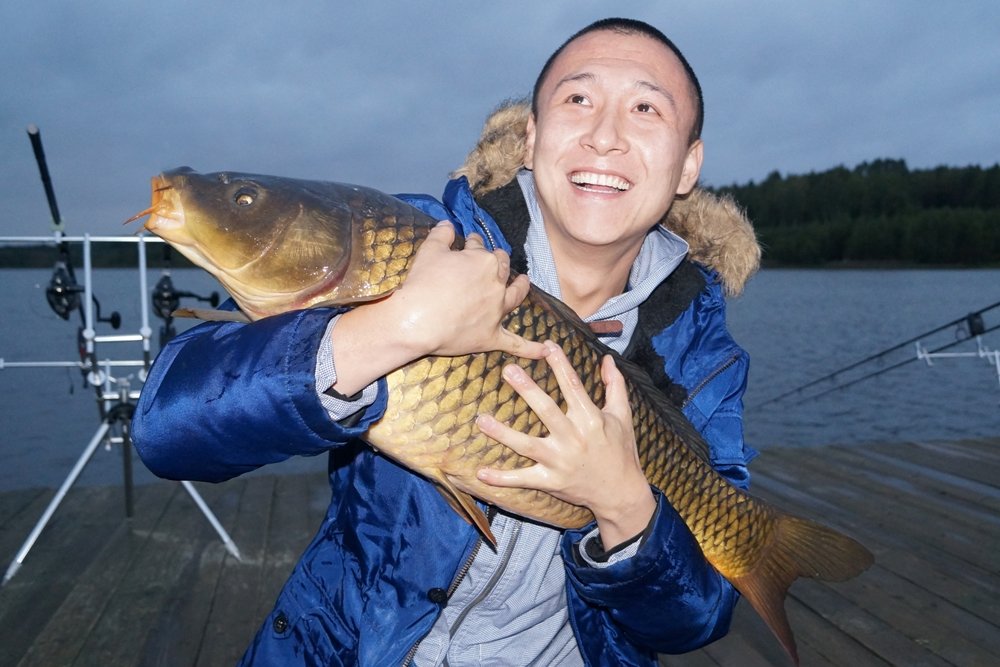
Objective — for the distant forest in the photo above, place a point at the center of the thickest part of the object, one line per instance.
(879, 213)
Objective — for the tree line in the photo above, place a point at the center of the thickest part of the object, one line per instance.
(880, 212)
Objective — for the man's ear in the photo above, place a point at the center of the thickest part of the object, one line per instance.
(529, 142)
(692, 167)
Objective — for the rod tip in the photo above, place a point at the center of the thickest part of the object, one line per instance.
(32, 129)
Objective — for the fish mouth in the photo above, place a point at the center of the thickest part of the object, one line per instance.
(592, 181)
(166, 216)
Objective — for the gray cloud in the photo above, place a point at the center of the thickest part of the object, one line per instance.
(393, 94)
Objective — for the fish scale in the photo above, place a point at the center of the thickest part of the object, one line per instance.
(306, 227)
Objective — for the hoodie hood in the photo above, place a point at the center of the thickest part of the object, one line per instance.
(716, 228)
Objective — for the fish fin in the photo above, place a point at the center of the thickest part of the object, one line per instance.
(465, 506)
(211, 315)
(800, 548)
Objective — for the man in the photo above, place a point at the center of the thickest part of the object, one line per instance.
(393, 576)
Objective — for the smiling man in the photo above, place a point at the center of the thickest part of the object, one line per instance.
(578, 195)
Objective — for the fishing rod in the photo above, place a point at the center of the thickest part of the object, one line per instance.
(36, 144)
(974, 322)
(116, 396)
(895, 366)
(63, 292)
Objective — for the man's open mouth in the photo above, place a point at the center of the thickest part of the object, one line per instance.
(599, 182)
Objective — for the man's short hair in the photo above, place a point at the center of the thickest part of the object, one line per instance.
(631, 27)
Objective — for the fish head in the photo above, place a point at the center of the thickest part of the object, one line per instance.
(276, 244)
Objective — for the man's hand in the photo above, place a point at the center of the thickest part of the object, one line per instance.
(589, 457)
(451, 303)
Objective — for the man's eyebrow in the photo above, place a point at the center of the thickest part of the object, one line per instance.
(581, 76)
(649, 85)
(641, 83)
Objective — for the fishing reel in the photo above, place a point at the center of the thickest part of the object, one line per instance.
(167, 299)
(974, 323)
(63, 292)
(63, 295)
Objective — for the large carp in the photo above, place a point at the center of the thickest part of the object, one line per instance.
(281, 244)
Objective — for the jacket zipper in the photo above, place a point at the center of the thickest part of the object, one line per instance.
(711, 376)
(491, 512)
(491, 584)
(486, 231)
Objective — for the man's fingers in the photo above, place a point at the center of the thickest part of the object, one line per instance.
(616, 392)
(474, 241)
(516, 293)
(443, 233)
(503, 264)
(519, 346)
(532, 477)
(577, 398)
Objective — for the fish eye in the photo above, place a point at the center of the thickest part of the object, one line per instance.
(245, 197)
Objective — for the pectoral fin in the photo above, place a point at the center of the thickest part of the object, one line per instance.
(210, 315)
(465, 506)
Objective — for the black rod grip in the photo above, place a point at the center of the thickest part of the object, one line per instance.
(43, 168)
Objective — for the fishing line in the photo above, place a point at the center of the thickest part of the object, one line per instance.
(894, 366)
(973, 320)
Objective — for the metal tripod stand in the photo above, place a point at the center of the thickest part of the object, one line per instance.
(115, 397)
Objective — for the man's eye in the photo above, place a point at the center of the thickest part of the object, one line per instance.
(577, 99)
(645, 108)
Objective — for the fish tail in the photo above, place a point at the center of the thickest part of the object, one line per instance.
(800, 548)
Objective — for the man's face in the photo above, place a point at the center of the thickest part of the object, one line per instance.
(609, 147)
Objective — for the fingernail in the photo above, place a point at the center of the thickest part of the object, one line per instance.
(513, 373)
(550, 346)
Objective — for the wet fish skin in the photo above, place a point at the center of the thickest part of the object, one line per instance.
(288, 258)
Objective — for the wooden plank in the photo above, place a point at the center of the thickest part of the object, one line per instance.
(233, 619)
(180, 625)
(952, 458)
(19, 504)
(867, 629)
(929, 599)
(978, 448)
(289, 532)
(907, 552)
(893, 597)
(820, 643)
(920, 516)
(64, 550)
(63, 637)
(699, 658)
(143, 589)
(956, 635)
(928, 476)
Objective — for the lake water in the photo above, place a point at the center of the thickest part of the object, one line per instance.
(798, 325)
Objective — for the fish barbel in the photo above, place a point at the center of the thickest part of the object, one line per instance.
(281, 244)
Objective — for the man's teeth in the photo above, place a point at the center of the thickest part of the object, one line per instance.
(601, 180)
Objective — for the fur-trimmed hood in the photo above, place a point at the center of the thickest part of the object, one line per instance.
(717, 230)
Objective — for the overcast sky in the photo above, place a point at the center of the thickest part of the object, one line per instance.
(393, 94)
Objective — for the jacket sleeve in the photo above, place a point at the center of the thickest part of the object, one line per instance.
(225, 398)
(667, 598)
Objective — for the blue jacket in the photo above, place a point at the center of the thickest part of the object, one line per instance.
(226, 398)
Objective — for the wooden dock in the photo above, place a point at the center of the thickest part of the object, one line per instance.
(160, 589)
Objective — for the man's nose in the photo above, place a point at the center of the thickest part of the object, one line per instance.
(606, 133)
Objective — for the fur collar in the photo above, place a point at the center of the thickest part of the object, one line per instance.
(718, 231)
